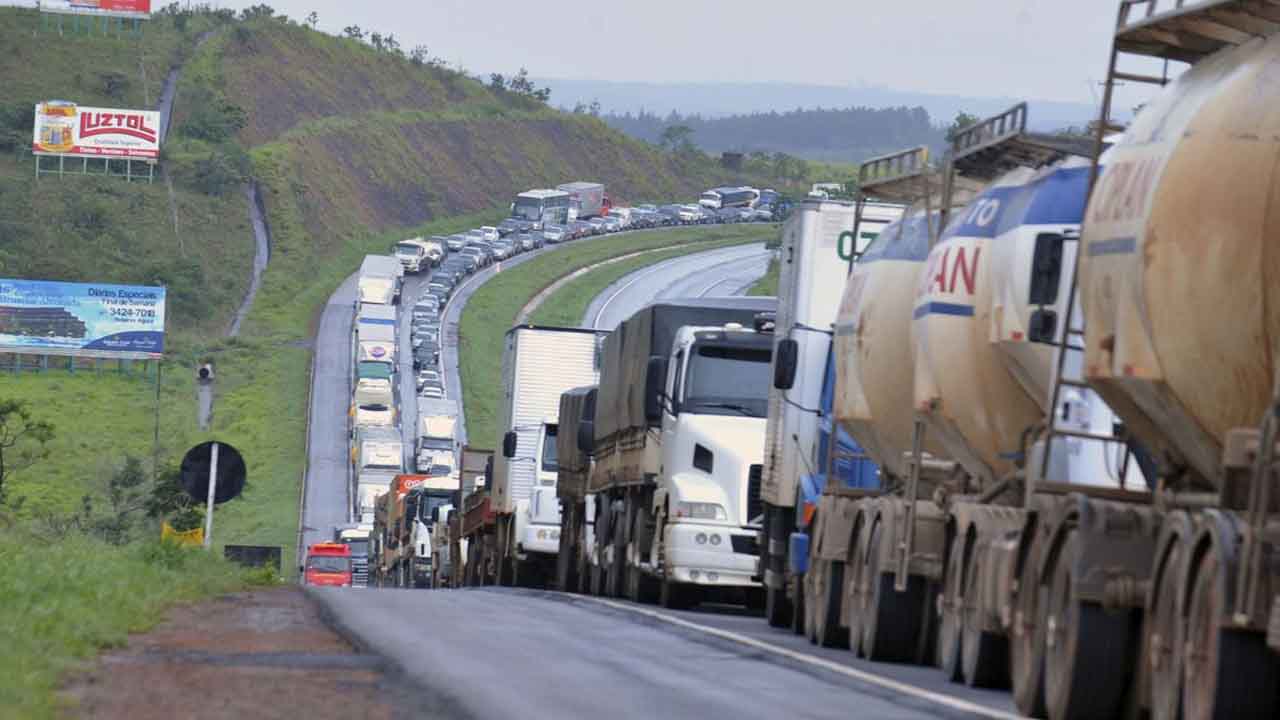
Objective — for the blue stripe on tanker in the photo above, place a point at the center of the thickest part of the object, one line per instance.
(942, 308)
(1057, 198)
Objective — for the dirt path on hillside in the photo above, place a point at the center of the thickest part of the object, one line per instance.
(260, 654)
(262, 254)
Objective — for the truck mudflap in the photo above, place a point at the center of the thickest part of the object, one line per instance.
(1114, 549)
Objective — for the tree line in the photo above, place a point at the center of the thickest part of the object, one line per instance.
(847, 134)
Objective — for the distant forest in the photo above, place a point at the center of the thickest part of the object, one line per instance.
(836, 135)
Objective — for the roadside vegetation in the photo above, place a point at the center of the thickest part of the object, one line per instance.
(65, 599)
(768, 283)
(493, 308)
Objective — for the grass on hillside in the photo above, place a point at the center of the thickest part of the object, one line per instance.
(569, 303)
(492, 309)
(65, 600)
(768, 283)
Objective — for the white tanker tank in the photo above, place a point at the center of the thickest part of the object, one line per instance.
(989, 300)
(873, 350)
(1179, 278)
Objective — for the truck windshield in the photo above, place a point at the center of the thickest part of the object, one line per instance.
(374, 370)
(329, 563)
(728, 380)
(434, 499)
(358, 547)
(407, 249)
(550, 459)
(527, 209)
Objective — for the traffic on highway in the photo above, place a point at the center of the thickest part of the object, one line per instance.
(947, 442)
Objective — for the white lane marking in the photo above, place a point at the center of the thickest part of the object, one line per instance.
(730, 277)
(860, 675)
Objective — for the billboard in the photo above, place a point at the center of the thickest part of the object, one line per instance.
(43, 317)
(64, 128)
(103, 8)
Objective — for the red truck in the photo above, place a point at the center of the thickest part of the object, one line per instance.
(328, 564)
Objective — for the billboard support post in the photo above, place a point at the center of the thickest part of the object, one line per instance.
(213, 485)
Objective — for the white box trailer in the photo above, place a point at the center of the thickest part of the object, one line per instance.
(586, 199)
(375, 331)
(379, 280)
(538, 364)
(377, 456)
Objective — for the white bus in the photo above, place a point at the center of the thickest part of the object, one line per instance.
(542, 207)
(728, 197)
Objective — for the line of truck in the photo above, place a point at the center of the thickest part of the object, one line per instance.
(1016, 414)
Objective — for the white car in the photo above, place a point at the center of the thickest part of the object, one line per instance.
(433, 392)
(490, 233)
(427, 376)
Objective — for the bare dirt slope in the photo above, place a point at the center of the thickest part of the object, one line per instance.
(260, 654)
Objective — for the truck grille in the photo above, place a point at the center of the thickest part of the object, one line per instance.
(360, 573)
(755, 505)
(745, 544)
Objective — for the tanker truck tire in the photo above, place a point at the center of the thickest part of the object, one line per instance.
(984, 654)
(828, 588)
(1088, 661)
(1026, 640)
(640, 586)
(777, 607)
(891, 624)
(615, 581)
(583, 557)
(1229, 673)
(796, 598)
(949, 625)
(1168, 635)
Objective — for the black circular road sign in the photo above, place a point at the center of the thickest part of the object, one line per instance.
(195, 472)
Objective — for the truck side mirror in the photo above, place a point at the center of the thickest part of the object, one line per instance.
(785, 358)
(655, 381)
(1046, 269)
(509, 444)
(586, 437)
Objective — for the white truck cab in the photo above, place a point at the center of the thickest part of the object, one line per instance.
(713, 422)
(538, 516)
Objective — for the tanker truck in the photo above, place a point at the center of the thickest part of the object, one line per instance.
(574, 444)
(1179, 279)
(678, 439)
(817, 236)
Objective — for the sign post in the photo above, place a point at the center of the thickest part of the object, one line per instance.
(213, 486)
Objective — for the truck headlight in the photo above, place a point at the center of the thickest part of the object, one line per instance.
(701, 511)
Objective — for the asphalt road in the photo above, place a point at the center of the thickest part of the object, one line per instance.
(715, 273)
(326, 501)
(508, 653)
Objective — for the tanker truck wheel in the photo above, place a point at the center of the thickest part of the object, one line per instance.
(828, 588)
(950, 627)
(891, 625)
(854, 592)
(984, 655)
(1168, 633)
(1026, 641)
(777, 607)
(1228, 673)
(582, 556)
(1087, 649)
(795, 595)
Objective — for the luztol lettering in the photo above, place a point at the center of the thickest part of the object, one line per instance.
(116, 123)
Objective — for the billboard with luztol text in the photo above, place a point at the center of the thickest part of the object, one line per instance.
(109, 8)
(64, 128)
(44, 317)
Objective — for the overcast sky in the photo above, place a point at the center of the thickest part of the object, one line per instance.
(1047, 49)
